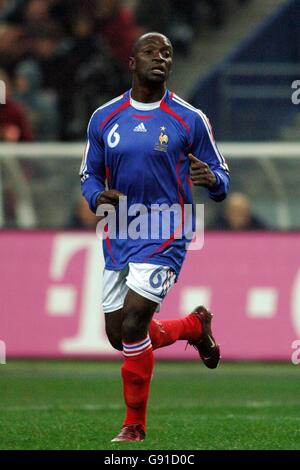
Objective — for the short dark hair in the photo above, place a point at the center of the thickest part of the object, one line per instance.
(137, 45)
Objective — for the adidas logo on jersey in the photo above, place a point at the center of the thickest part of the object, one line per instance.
(140, 128)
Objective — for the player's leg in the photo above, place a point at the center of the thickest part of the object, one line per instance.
(113, 328)
(166, 332)
(137, 315)
(162, 333)
(114, 293)
(138, 364)
(154, 282)
(194, 328)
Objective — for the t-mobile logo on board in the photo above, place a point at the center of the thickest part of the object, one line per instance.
(2, 352)
(63, 299)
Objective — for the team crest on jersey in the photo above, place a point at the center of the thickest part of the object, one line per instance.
(162, 145)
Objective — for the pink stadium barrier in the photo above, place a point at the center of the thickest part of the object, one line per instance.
(50, 294)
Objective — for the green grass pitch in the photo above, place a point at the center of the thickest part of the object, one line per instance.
(78, 405)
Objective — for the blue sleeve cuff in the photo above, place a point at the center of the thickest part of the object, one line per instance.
(219, 191)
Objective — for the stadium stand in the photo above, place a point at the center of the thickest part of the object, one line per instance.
(64, 59)
(76, 52)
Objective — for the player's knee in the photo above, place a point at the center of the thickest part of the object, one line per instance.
(136, 319)
(133, 326)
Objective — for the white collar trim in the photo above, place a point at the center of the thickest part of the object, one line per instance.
(145, 106)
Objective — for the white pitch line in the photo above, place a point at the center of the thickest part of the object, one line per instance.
(120, 406)
(85, 407)
(200, 417)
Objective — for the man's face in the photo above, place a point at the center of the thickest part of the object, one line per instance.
(238, 212)
(153, 59)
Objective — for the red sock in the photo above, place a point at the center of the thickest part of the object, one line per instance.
(166, 332)
(136, 374)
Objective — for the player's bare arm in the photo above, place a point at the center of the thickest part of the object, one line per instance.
(201, 174)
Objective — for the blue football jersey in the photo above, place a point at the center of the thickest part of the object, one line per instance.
(141, 149)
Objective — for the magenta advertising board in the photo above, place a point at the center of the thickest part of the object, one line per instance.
(51, 282)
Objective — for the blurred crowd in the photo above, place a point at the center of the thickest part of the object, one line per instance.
(60, 59)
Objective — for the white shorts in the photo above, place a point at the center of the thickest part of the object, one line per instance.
(150, 281)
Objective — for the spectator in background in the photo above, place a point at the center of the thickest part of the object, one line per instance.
(14, 123)
(150, 18)
(238, 215)
(8, 8)
(37, 12)
(12, 45)
(40, 105)
(118, 27)
(182, 21)
(83, 217)
(78, 68)
(92, 75)
(82, 48)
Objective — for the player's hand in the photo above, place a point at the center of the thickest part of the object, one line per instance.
(201, 174)
(111, 196)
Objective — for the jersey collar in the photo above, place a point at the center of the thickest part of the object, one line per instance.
(146, 106)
